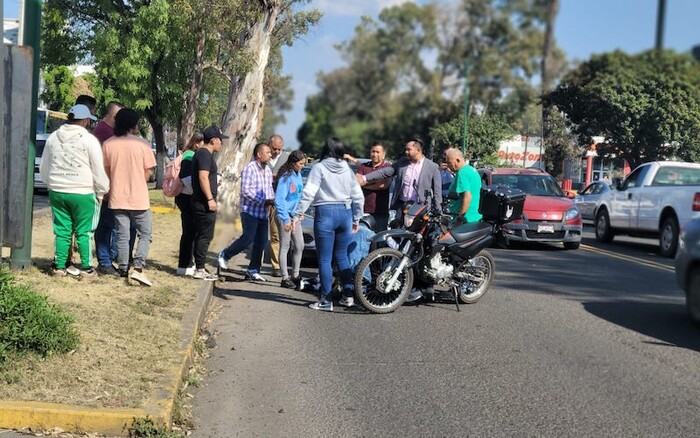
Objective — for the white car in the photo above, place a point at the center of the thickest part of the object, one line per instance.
(39, 184)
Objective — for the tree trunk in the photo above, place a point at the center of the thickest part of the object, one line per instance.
(187, 121)
(242, 121)
(161, 152)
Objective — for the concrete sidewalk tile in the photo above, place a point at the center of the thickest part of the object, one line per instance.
(113, 422)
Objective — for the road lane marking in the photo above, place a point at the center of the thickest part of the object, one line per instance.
(632, 259)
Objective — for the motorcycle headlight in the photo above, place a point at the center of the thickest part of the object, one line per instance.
(408, 220)
(571, 214)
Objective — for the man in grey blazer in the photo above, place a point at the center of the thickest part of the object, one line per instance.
(413, 175)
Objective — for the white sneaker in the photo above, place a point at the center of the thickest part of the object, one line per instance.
(202, 274)
(326, 306)
(72, 270)
(222, 261)
(254, 276)
(186, 272)
(138, 276)
(347, 301)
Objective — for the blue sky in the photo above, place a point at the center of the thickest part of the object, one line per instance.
(583, 27)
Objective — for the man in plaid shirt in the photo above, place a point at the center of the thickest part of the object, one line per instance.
(256, 197)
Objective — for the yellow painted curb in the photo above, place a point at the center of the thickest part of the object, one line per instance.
(44, 416)
(114, 422)
(164, 210)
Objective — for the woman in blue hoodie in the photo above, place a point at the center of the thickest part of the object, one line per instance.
(338, 201)
(287, 195)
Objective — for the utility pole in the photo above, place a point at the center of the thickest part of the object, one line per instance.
(660, 21)
(21, 258)
(465, 97)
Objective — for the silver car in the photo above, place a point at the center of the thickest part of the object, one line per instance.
(588, 199)
(688, 267)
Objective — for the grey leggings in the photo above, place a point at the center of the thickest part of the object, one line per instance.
(285, 241)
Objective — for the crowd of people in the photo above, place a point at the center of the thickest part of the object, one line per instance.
(98, 186)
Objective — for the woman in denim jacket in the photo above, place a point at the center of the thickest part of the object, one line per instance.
(287, 195)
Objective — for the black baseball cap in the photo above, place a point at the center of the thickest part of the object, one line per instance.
(213, 132)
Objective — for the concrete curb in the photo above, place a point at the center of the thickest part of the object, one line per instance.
(114, 422)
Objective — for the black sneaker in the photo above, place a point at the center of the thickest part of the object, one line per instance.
(107, 270)
(288, 283)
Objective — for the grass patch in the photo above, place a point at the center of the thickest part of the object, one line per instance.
(30, 324)
(130, 334)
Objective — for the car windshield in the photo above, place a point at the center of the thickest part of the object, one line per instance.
(540, 185)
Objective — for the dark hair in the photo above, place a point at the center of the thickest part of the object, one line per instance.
(288, 166)
(192, 144)
(334, 148)
(377, 143)
(417, 142)
(125, 120)
(87, 100)
(257, 148)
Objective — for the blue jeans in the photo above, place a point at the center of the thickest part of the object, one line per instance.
(255, 232)
(126, 220)
(106, 237)
(333, 234)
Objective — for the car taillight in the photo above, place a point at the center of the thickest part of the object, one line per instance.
(696, 201)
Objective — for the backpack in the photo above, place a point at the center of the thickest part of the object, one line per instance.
(172, 185)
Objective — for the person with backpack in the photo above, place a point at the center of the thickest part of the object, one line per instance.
(181, 171)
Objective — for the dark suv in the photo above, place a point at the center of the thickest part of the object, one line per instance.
(549, 214)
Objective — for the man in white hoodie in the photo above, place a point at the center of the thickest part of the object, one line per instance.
(72, 166)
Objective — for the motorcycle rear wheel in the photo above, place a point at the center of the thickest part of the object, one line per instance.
(475, 277)
(372, 276)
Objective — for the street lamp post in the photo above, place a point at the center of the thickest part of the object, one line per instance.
(465, 97)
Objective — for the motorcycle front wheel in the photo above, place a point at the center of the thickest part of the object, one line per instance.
(474, 277)
(373, 278)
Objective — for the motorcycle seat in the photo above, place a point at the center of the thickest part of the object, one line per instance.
(471, 231)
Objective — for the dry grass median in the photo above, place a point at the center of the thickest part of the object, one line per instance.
(129, 334)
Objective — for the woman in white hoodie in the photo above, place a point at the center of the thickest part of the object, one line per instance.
(338, 201)
(73, 169)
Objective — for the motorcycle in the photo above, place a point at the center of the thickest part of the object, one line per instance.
(430, 250)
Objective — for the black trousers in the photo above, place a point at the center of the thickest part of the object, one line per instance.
(184, 203)
(204, 221)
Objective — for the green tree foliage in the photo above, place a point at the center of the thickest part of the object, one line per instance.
(58, 88)
(61, 44)
(647, 106)
(405, 72)
(484, 133)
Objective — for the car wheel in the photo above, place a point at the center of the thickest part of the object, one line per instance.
(692, 295)
(571, 245)
(668, 240)
(603, 232)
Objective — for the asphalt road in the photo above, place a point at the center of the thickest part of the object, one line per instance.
(592, 342)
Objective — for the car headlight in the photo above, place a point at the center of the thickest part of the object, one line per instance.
(408, 220)
(571, 214)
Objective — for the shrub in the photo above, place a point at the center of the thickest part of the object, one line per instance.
(29, 323)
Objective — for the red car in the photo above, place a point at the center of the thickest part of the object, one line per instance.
(549, 214)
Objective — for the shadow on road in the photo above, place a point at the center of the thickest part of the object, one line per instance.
(667, 322)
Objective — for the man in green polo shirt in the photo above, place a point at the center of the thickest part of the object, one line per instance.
(467, 186)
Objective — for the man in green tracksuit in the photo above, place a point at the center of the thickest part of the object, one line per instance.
(73, 168)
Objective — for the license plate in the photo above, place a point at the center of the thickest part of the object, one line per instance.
(545, 228)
